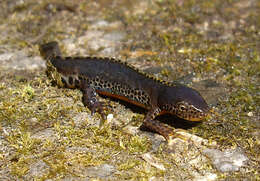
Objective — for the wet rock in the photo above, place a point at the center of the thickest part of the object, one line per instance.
(105, 36)
(227, 160)
(100, 24)
(182, 135)
(37, 169)
(84, 118)
(19, 60)
(133, 130)
(114, 36)
(152, 160)
(46, 134)
(5, 150)
(101, 171)
(206, 177)
(156, 142)
(97, 40)
(185, 149)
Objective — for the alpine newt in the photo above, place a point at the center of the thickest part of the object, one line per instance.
(113, 78)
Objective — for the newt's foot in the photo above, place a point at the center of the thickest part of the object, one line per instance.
(90, 100)
(166, 131)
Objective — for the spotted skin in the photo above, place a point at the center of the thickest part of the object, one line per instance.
(113, 78)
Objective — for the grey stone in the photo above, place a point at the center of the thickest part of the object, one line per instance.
(228, 160)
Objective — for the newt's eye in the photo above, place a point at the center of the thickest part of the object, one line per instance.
(182, 108)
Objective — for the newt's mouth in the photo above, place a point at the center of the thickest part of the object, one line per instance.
(195, 119)
(194, 116)
(200, 116)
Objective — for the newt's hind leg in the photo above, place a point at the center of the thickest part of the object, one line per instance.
(90, 100)
(163, 129)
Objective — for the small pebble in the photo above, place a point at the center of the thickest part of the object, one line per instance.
(110, 118)
(250, 114)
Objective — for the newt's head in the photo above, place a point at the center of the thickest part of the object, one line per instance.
(184, 102)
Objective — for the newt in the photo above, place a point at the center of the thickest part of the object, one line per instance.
(113, 78)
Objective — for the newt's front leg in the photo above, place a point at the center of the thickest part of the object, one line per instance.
(90, 100)
(166, 131)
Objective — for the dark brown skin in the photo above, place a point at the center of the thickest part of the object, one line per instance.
(115, 79)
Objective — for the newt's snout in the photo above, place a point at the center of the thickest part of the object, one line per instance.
(190, 112)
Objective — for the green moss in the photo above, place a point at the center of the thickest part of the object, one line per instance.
(28, 93)
(21, 167)
(129, 164)
(137, 144)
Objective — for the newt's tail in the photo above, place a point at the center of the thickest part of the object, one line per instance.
(49, 50)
